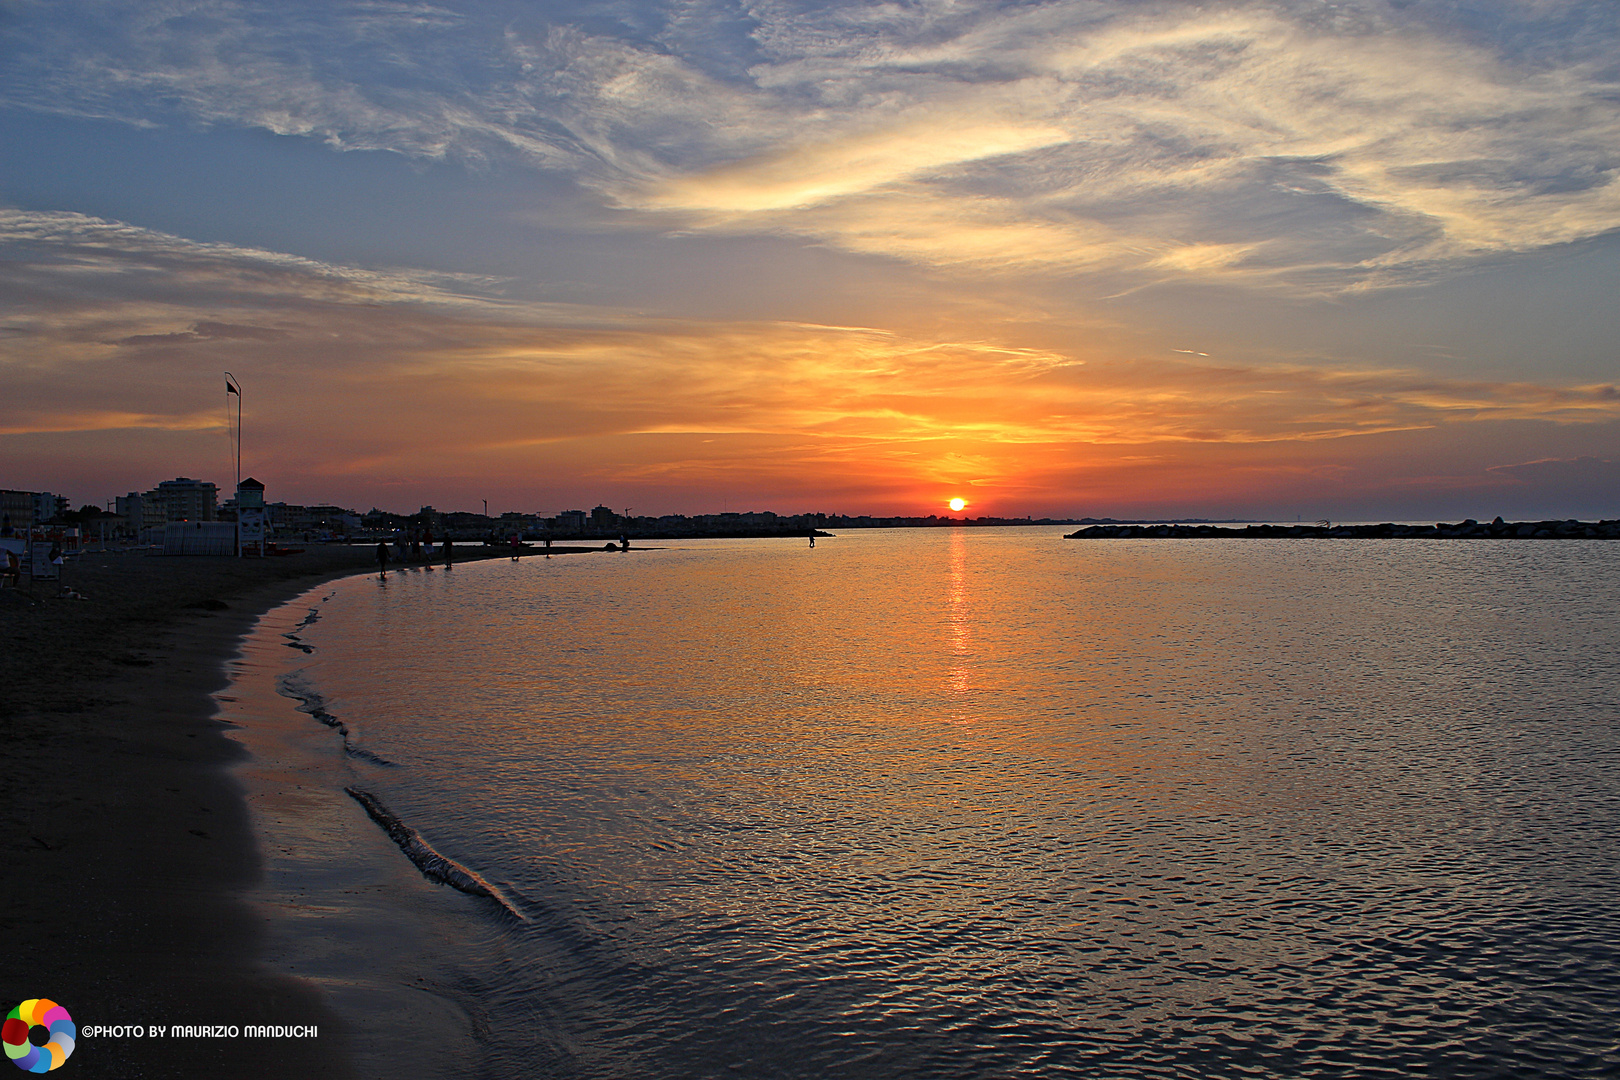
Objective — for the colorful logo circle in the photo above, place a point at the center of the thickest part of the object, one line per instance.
(41, 1013)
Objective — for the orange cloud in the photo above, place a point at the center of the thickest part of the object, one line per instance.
(359, 396)
(400, 385)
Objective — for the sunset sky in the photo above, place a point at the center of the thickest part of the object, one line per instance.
(1353, 259)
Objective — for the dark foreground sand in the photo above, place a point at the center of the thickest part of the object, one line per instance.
(124, 842)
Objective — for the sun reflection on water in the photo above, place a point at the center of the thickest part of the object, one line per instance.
(959, 615)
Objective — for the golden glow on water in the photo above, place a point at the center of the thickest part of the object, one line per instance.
(974, 801)
(960, 616)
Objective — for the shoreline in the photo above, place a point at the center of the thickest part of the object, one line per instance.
(128, 841)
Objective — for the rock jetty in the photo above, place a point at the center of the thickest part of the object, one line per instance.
(1462, 530)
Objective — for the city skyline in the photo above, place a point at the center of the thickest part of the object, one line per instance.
(1351, 261)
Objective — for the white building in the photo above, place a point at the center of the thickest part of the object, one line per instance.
(185, 499)
(140, 512)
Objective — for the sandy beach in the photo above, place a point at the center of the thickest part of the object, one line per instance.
(127, 843)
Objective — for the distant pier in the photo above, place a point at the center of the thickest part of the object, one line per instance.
(1463, 530)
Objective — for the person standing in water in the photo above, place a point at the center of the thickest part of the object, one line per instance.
(382, 557)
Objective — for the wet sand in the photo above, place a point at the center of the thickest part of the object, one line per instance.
(127, 845)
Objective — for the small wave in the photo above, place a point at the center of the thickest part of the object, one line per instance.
(293, 640)
(314, 705)
(434, 867)
(366, 755)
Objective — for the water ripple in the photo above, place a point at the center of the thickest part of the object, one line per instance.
(971, 804)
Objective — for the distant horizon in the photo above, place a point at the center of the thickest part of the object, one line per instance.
(944, 512)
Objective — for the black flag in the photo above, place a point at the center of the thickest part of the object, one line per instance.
(229, 389)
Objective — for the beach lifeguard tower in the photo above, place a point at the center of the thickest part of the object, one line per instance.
(250, 518)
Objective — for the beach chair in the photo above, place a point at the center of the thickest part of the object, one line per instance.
(11, 564)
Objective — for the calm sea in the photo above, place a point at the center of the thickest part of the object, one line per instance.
(957, 803)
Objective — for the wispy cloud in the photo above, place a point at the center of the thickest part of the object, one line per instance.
(63, 252)
(1291, 145)
(1232, 143)
(1563, 472)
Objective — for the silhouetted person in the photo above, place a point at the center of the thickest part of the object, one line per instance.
(382, 557)
(812, 539)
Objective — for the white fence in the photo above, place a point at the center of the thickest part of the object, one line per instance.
(199, 538)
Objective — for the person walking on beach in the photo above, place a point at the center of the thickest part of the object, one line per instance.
(447, 551)
(382, 557)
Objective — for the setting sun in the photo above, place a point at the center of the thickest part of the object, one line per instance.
(958, 503)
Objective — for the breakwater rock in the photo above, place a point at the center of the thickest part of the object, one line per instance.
(1462, 530)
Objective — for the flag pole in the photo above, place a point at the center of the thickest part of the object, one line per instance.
(233, 385)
